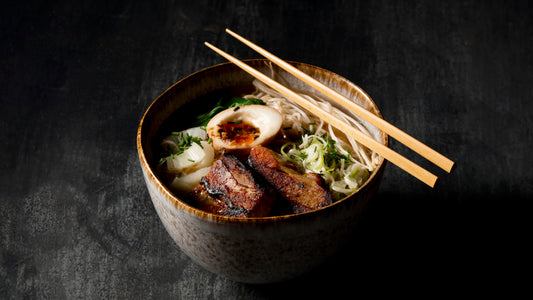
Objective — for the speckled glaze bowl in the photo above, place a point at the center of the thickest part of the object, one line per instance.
(253, 250)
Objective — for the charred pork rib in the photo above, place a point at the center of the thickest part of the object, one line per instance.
(305, 192)
(231, 188)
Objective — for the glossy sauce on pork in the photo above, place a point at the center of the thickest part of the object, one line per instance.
(231, 188)
(305, 192)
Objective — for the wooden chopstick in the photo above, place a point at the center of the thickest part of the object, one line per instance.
(395, 158)
(404, 138)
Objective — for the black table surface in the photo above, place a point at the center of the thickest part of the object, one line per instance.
(76, 220)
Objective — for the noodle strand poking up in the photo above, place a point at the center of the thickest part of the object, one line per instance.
(357, 162)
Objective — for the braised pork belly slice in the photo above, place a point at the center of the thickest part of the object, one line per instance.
(305, 192)
(210, 204)
(232, 189)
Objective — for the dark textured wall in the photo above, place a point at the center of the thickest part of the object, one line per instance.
(76, 76)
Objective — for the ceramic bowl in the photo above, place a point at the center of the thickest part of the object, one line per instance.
(252, 250)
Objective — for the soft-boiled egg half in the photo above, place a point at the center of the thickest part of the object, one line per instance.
(243, 127)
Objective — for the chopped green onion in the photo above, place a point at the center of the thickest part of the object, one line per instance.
(320, 154)
(354, 172)
(284, 154)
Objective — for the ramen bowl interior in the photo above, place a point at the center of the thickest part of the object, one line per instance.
(253, 250)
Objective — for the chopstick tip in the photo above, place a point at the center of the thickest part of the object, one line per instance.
(452, 167)
(435, 182)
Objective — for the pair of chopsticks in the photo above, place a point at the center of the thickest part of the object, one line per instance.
(389, 154)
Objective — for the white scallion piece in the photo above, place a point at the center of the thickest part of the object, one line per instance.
(186, 160)
(188, 182)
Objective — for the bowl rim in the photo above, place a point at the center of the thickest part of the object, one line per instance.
(150, 173)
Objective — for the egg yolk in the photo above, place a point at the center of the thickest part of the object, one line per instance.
(240, 133)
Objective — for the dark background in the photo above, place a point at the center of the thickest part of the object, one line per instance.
(76, 220)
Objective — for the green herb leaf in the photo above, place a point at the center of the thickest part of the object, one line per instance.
(223, 104)
(184, 142)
